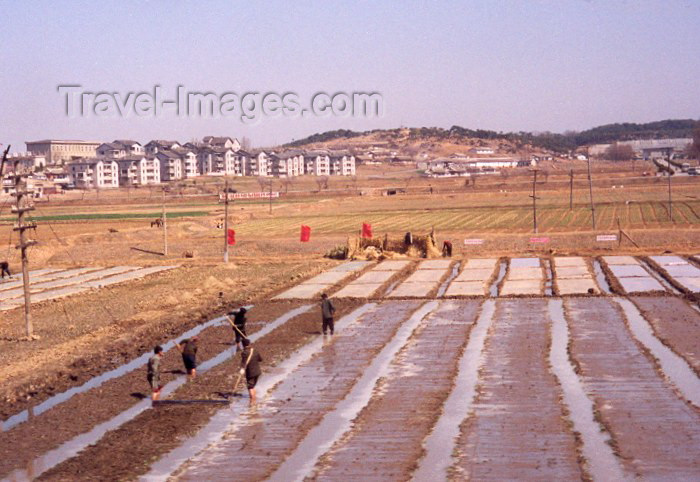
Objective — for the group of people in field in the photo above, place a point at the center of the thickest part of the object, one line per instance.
(250, 356)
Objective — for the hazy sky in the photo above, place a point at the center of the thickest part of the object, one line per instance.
(503, 65)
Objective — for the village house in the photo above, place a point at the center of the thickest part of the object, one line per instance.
(482, 151)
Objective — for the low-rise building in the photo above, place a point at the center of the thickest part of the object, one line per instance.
(317, 162)
(59, 151)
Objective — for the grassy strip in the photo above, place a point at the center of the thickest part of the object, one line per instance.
(79, 217)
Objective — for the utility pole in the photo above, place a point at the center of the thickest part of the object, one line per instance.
(590, 190)
(21, 207)
(571, 189)
(270, 196)
(165, 227)
(534, 199)
(226, 221)
(670, 203)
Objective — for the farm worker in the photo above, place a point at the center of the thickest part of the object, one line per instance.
(447, 249)
(239, 321)
(250, 366)
(188, 348)
(327, 310)
(5, 267)
(153, 372)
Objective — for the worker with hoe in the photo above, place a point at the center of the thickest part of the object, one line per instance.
(188, 348)
(327, 310)
(250, 366)
(239, 321)
(153, 372)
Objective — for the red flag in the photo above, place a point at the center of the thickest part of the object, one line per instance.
(231, 237)
(366, 230)
(305, 233)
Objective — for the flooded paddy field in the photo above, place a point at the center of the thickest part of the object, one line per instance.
(540, 384)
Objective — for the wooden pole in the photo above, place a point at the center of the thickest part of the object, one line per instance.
(534, 200)
(571, 189)
(590, 191)
(270, 196)
(226, 221)
(670, 203)
(21, 208)
(165, 228)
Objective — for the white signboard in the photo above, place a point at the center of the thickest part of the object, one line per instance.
(606, 237)
(249, 195)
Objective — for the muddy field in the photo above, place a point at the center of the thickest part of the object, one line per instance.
(415, 384)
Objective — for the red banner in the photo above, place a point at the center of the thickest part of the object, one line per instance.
(305, 233)
(366, 230)
(231, 237)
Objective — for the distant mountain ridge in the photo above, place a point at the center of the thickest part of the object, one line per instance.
(609, 133)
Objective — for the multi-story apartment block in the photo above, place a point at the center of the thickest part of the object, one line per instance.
(342, 163)
(225, 142)
(60, 151)
(138, 171)
(190, 166)
(317, 163)
(94, 173)
(170, 165)
(119, 149)
(287, 164)
(155, 146)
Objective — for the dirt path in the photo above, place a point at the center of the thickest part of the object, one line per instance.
(656, 434)
(676, 324)
(301, 400)
(517, 429)
(410, 396)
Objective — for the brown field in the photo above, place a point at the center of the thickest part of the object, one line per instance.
(82, 336)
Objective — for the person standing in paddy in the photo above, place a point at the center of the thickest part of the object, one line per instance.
(239, 321)
(250, 366)
(327, 311)
(188, 348)
(153, 372)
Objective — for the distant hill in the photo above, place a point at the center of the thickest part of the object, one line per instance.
(567, 141)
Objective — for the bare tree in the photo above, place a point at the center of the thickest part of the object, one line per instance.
(322, 182)
(286, 182)
(694, 148)
(504, 176)
(245, 143)
(619, 152)
(262, 182)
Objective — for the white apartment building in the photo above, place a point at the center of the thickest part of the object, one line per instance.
(190, 166)
(317, 163)
(342, 163)
(259, 164)
(138, 171)
(94, 173)
(170, 165)
(119, 149)
(155, 146)
(287, 164)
